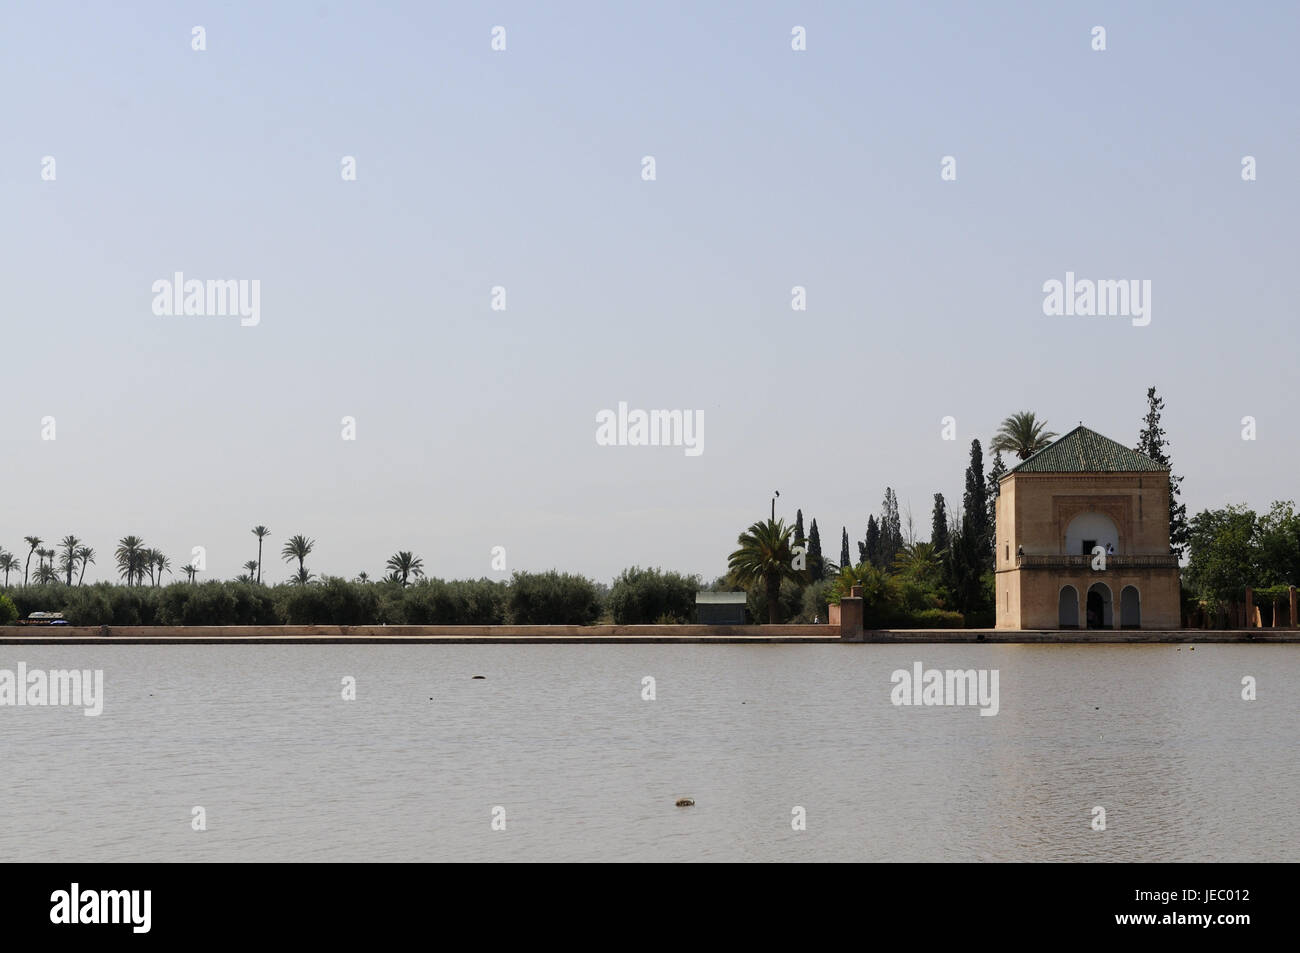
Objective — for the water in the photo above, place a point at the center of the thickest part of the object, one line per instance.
(559, 736)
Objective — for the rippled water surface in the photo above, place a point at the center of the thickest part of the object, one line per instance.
(560, 737)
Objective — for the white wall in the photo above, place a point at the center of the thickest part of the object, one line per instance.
(1090, 526)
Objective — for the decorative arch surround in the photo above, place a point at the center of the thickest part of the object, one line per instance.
(1118, 508)
(1091, 527)
(1130, 608)
(1067, 608)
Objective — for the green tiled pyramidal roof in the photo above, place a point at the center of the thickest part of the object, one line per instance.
(1086, 451)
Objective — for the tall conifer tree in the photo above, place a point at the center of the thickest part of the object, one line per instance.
(1152, 442)
(816, 564)
(975, 504)
(871, 545)
(939, 524)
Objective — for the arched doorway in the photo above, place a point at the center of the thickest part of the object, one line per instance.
(1130, 608)
(1067, 610)
(1101, 613)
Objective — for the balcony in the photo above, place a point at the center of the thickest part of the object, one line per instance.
(1117, 561)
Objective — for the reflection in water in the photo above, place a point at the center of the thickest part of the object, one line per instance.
(585, 769)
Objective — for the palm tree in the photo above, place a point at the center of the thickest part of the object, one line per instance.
(253, 567)
(130, 558)
(302, 577)
(45, 575)
(261, 532)
(33, 542)
(85, 556)
(190, 571)
(765, 557)
(299, 548)
(363, 577)
(1022, 434)
(68, 562)
(8, 563)
(45, 554)
(404, 564)
(160, 562)
(244, 577)
(920, 561)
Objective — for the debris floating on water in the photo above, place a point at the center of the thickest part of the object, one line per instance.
(686, 802)
(478, 676)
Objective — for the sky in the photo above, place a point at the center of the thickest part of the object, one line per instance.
(522, 168)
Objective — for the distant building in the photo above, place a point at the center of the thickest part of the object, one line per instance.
(720, 608)
(1083, 539)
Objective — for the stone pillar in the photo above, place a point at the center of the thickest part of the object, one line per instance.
(851, 615)
(1293, 607)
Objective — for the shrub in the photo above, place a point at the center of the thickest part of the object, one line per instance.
(89, 605)
(133, 605)
(789, 602)
(485, 601)
(29, 599)
(934, 619)
(552, 598)
(814, 605)
(437, 602)
(254, 605)
(392, 603)
(882, 595)
(208, 603)
(8, 611)
(332, 601)
(303, 604)
(641, 596)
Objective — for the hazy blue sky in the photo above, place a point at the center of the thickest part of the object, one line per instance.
(522, 168)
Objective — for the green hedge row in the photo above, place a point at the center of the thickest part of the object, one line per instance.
(528, 599)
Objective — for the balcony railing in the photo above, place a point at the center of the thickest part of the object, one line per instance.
(1116, 561)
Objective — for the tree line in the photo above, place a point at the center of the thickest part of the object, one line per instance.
(945, 581)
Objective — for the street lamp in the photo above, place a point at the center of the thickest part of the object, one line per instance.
(777, 493)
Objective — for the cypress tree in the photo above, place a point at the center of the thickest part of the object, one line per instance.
(798, 528)
(1152, 442)
(845, 560)
(891, 530)
(975, 503)
(871, 546)
(816, 564)
(939, 525)
(965, 566)
(996, 474)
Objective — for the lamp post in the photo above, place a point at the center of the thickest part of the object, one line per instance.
(776, 493)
